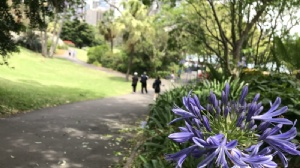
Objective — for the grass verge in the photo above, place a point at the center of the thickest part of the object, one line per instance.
(35, 82)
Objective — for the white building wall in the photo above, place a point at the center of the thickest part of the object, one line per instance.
(94, 16)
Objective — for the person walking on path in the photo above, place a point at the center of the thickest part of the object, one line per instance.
(172, 77)
(74, 53)
(156, 87)
(144, 79)
(135, 79)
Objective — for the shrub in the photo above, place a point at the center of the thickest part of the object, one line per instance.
(31, 41)
(96, 53)
(62, 47)
(157, 129)
(69, 43)
(232, 132)
(162, 74)
(116, 61)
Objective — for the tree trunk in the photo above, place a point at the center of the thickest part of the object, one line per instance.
(129, 62)
(239, 43)
(44, 40)
(54, 33)
(112, 45)
(53, 47)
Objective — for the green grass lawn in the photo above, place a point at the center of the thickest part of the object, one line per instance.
(81, 54)
(36, 82)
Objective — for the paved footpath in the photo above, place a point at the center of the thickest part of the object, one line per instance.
(79, 135)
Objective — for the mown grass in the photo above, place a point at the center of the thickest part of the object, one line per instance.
(35, 82)
(81, 54)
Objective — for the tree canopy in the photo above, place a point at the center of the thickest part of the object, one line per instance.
(16, 14)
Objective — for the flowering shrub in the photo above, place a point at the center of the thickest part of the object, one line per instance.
(233, 132)
(69, 43)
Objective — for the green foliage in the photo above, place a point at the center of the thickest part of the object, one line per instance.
(95, 54)
(16, 14)
(80, 33)
(278, 85)
(115, 60)
(9, 22)
(157, 129)
(162, 74)
(36, 82)
(287, 51)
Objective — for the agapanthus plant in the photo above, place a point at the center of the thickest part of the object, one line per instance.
(233, 133)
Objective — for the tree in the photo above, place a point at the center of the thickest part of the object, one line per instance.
(15, 14)
(108, 28)
(80, 33)
(225, 27)
(10, 20)
(136, 28)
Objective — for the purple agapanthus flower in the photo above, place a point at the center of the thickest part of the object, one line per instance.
(231, 133)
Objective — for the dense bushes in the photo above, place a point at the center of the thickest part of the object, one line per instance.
(31, 41)
(101, 55)
(156, 142)
(278, 85)
(96, 53)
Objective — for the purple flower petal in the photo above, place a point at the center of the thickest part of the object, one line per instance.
(256, 98)
(231, 144)
(289, 135)
(208, 159)
(258, 159)
(181, 136)
(215, 140)
(183, 129)
(227, 89)
(235, 157)
(244, 94)
(206, 124)
(181, 155)
(183, 113)
(275, 105)
(280, 111)
(263, 126)
(200, 142)
(265, 151)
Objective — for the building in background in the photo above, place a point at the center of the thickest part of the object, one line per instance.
(94, 10)
(94, 16)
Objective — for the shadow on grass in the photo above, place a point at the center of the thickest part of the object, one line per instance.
(120, 79)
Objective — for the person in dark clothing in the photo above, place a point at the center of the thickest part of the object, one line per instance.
(144, 79)
(135, 79)
(156, 87)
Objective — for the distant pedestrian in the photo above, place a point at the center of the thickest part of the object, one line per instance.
(74, 53)
(144, 79)
(172, 77)
(179, 73)
(156, 87)
(70, 52)
(135, 79)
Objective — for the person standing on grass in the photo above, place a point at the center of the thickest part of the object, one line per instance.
(135, 79)
(156, 87)
(144, 79)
